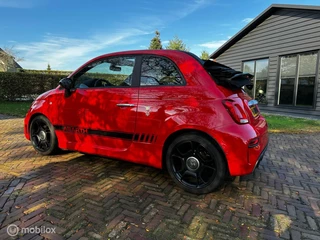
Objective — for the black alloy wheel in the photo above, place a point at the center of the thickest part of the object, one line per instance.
(195, 164)
(42, 136)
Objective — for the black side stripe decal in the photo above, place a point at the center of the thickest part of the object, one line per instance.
(136, 137)
(122, 135)
(147, 138)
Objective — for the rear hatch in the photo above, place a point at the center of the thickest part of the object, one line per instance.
(241, 106)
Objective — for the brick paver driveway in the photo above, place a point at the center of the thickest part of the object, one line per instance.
(89, 197)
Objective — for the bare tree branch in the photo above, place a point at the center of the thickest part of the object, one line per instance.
(9, 58)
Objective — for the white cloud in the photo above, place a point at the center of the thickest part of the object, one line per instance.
(213, 44)
(165, 42)
(247, 20)
(155, 19)
(68, 53)
(191, 7)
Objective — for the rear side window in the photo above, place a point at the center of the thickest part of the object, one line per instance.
(156, 71)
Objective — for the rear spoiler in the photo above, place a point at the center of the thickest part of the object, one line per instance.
(228, 77)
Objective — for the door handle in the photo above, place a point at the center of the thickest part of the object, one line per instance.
(125, 105)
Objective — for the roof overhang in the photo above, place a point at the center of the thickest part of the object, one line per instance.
(255, 22)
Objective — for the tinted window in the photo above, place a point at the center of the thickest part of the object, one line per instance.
(248, 67)
(258, 68)
(306, 79)
(159, 71)
(297, 79)
(110, 72)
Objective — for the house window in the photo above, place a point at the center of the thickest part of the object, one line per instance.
(258, 68)
(297, 79)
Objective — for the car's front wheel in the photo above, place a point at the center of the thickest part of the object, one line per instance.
(195, 164)
(42, 136)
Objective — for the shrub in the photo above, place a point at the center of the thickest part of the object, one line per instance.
(51, 72)
(26, 86)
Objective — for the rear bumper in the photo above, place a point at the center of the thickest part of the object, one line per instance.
(238, 144)
(260, 157)
(249, 160)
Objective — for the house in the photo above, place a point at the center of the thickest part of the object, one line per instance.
(8, 63)
(280, 47)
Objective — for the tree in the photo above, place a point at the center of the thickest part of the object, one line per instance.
(8, 59)
(204, 55)
(48, 68)
(177, 44)
(155, 42)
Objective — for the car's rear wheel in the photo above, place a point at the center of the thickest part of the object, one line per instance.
(195, 164)
(42, 136)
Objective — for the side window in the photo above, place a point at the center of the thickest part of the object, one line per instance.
(109, 72)
(159, 71)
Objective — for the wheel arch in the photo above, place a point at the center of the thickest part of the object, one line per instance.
(178, 133)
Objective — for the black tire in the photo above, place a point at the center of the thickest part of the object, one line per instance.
(42, 136)
(230, 179)
(195, 164)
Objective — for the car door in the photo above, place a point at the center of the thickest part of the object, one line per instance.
(99, 116)
(161, 95)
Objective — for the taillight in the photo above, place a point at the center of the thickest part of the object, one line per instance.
(236, 111)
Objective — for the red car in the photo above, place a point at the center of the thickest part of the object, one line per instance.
(162, 108)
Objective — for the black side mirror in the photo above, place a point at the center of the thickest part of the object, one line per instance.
(66, 83)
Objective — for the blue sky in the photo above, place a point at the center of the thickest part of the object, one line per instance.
(67, 33)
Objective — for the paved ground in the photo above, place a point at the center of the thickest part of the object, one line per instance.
(87, 197)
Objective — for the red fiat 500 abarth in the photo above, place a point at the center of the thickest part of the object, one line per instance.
(161, 108)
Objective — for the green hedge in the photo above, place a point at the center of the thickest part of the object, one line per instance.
(50, 72)
(26, 86)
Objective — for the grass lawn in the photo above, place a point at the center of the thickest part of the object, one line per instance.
(18, 109)
(281, 124)
(277, 124)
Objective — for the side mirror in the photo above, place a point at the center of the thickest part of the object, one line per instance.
(66, 83)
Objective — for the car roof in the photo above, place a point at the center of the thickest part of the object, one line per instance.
(162, 52)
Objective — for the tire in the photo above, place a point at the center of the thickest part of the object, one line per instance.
(195, 164)
(230, 179)
(42, 136)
